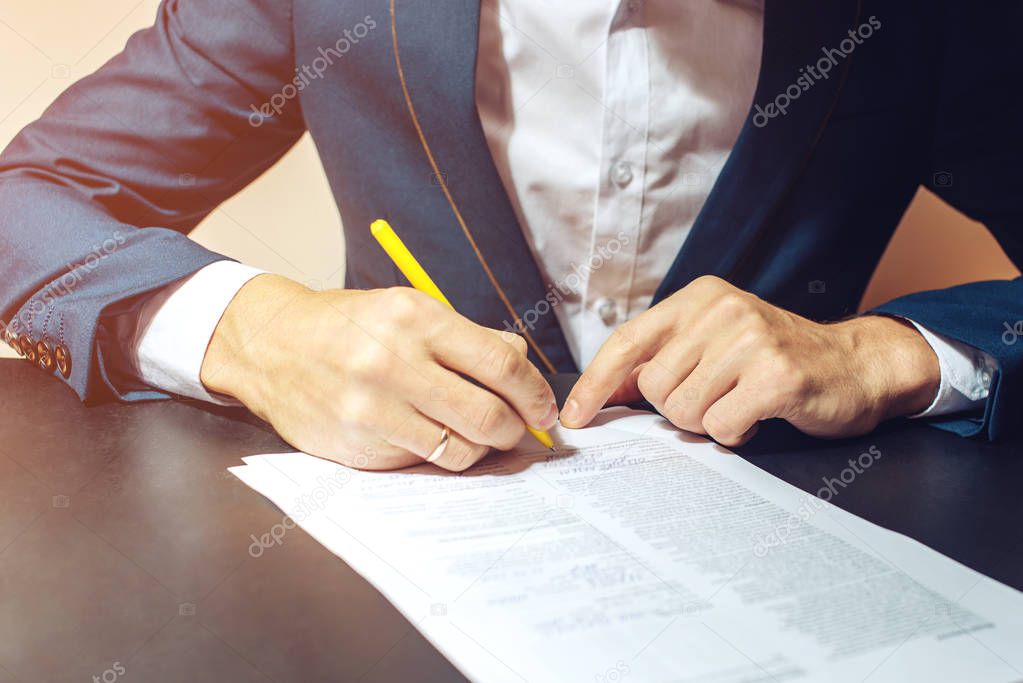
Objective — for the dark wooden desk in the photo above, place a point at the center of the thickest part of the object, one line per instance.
(124, 542)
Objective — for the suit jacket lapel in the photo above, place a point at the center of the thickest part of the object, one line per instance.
(770, 152)
(435, 47)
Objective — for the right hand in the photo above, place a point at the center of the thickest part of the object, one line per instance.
(370, 378)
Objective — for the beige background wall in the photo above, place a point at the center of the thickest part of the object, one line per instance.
(287, 222)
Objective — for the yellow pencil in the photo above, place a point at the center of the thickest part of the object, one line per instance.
(411, 269)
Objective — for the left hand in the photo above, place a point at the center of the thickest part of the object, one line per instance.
(716, 360)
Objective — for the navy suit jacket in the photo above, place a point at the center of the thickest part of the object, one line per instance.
(97, 195)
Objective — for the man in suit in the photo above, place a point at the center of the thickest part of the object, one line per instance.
(685, 199)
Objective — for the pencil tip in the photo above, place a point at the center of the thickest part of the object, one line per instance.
(553, 449)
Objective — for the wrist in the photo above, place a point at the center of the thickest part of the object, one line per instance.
(238, 353)
(896, 362)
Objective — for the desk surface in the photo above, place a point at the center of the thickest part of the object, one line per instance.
(124, 542)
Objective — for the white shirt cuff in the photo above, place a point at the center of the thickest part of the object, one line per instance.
(175, 325)
(966, 374)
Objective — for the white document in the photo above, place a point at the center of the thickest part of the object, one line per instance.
(638, 553)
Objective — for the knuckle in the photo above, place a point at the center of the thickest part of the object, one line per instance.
(651, 385)
(490, 417)
(366, 359)
(389, 461)
(403, 303)
(720, 428)
(361, 410)
(624, 337)
(585, 383)
(705, 282)
(586, 387)
(755, 323)
(435, 330)
(510, 438)
(732, 304)
(505, 363)
(516, 341)
(465, 455)
(683, 414)
(543, 399)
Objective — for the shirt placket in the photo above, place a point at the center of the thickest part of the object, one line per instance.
(619, 205)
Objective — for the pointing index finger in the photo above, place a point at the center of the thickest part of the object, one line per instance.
(615, 360)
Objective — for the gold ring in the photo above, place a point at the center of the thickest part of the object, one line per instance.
(439, 450)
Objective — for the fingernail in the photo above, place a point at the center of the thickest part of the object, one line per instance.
(570, 415)
(548, 420)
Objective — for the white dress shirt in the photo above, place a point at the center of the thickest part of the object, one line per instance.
(609, 123)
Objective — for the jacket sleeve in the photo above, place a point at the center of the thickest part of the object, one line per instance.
(97, 195)
(975, 167)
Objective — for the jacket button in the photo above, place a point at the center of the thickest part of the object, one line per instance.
(27, 349)
(12, 340)
(63, 358)
(44, 357)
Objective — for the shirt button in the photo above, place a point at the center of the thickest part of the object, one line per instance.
(621, 174)
(606, 310)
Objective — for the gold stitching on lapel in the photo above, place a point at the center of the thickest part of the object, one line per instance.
(442, 181)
